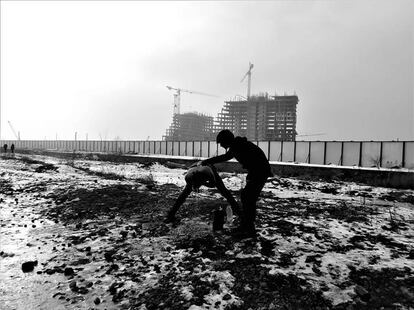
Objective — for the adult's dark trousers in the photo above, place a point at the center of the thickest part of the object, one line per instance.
(249, 196)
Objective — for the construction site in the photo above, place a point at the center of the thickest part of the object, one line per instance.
(189, 127)
(261, 117)
(258, 117)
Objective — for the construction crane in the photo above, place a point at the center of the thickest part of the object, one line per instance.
(249, 79)
(17, 135)
(177, 97)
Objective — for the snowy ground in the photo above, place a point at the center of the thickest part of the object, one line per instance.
(95, 229)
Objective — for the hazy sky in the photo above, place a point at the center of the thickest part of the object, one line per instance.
(101, 68)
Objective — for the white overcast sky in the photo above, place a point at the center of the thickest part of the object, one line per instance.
(100, 68)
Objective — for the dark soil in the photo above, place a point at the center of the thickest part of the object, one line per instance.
(387, 288)
(261, 290)
(105, 216)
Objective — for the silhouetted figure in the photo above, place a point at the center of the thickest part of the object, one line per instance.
(5, 148)
(252, 158)
(195, 178)
(12, 148)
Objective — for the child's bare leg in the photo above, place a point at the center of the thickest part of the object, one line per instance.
(180, 200)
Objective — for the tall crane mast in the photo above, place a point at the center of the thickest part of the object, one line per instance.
(17, 135)
(249, 79)
(177, 97)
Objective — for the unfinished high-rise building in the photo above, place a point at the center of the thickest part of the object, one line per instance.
(190, 127)
(261, 117)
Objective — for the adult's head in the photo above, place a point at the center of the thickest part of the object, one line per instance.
(225, 138)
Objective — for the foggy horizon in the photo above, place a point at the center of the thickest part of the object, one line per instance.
(100, 69)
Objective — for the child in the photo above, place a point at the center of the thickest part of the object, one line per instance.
(195, 178)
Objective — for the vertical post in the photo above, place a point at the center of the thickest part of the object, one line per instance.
(179, 148)
(309, 152)
(268, 150)
(403, 155)
(294, 151)
(201, 149)
(324, 153)
(360, 154)
(208, 149)
(380, 156)
(172, 147)
(341, 159)
(281, 151)
(193, 147)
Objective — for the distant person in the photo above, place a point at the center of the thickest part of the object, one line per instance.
(195, 178)
(252, 158)
(12, 148)
(5, 148)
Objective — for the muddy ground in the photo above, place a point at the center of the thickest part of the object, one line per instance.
(82, 234)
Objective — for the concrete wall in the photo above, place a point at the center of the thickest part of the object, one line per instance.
(385, 154)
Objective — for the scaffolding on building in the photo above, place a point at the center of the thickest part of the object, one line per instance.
(261, 117)
(190, 126)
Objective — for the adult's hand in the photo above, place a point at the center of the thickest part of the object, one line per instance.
(196, 164)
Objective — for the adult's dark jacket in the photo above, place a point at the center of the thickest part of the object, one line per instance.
(248, 154)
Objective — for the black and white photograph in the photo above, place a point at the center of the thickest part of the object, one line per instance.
(207, 155)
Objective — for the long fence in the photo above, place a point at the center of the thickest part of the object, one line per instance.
(386, 154)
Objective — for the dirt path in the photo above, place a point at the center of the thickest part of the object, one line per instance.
(96, 232)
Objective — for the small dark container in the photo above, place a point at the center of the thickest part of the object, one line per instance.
(29, 266)
(219, 217)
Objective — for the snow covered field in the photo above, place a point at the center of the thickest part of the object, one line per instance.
(95, 229)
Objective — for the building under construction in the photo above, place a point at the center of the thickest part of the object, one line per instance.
(261, 117)
(190, 127)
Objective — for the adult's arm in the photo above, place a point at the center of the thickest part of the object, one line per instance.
(217, 159)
